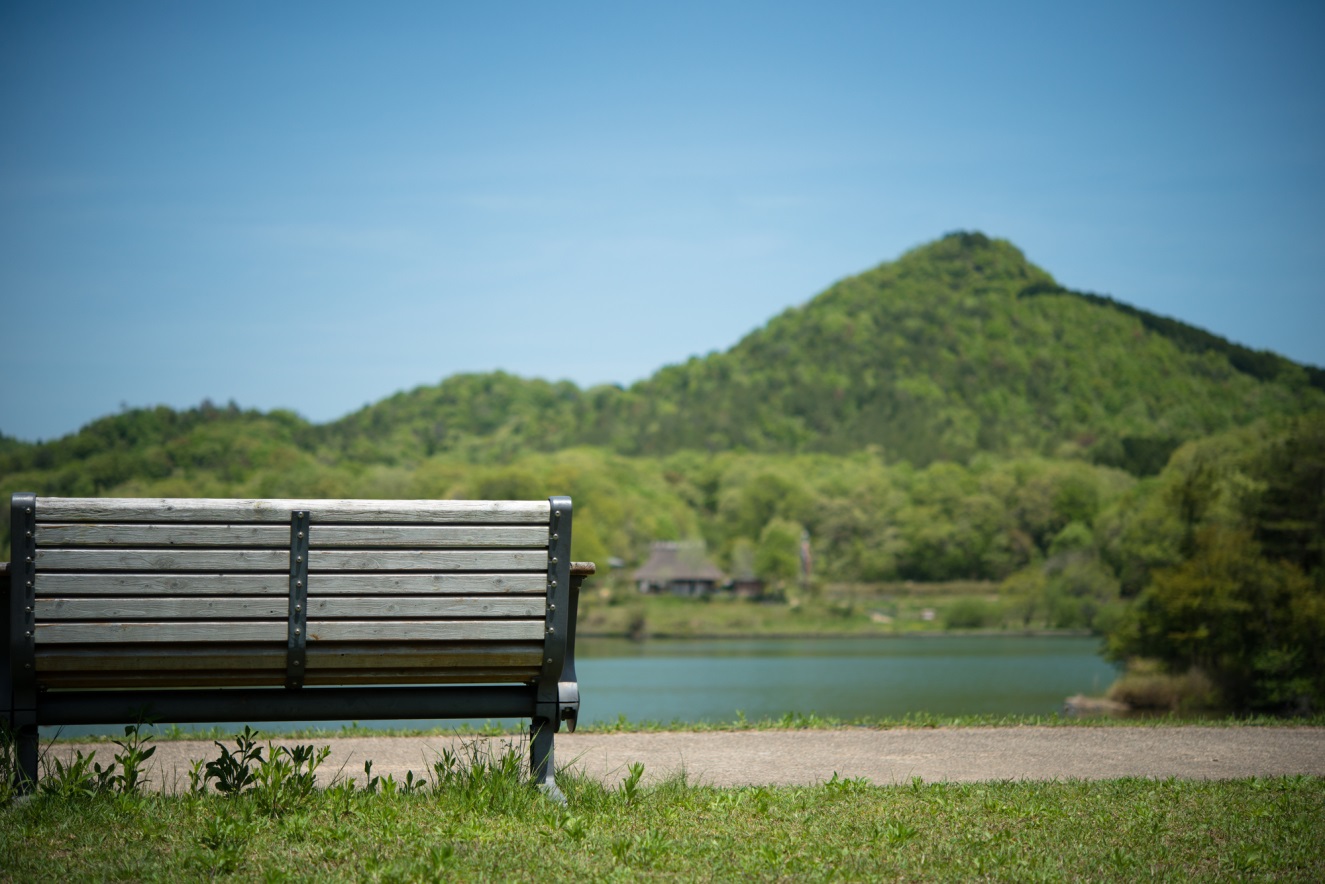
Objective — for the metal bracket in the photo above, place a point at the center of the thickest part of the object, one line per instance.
(297, 635)
(557, 629)
(22, 657)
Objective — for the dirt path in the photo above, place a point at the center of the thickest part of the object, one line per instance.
(882, 756)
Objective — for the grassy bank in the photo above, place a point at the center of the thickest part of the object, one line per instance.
(492, 827)
(832, 610)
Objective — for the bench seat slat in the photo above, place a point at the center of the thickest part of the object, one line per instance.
(278, 536)
(51, 585)
(271, 607)
(118, 509)
(274, 559)
(261, 630)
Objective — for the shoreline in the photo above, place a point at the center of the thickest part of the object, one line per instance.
(745, 636)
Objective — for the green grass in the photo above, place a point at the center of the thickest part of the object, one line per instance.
(250, 816)
(494, 827)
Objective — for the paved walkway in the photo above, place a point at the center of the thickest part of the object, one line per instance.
(729, 758)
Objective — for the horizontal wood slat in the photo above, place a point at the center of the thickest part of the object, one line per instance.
(260, 630)
(441, 675)
(277, 559)
(185, 631)
(424, 630)
(322, 655)
(162, 608)
(270, 607)
(406, 584)
(426, 560)
(216, 678)
(164, 559)
(274, 678)
(278, 536)
(162, 584)
(114, 509)
(140, 535)
(412, 655)
(430, 536)
(163, 656)
(50, 585)
(421, 606)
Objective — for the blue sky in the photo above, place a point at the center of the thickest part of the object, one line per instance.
(313, 205)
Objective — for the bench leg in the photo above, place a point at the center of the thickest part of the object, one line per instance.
(25, 751)
(542, 763)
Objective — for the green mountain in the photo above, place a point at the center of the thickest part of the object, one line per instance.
(958, 347)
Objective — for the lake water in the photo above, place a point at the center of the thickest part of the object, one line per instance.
(844, 678)
(714, 680)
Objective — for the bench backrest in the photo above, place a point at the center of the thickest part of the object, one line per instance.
(124, 593)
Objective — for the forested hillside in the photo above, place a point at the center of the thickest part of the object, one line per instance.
(957, 348)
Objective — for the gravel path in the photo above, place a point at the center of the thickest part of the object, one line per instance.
(728, 758)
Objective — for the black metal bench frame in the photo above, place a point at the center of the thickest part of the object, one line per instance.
(30, 697)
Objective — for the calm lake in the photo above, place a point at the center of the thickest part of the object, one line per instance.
(715, 679)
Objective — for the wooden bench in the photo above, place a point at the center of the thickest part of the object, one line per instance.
(196, 610)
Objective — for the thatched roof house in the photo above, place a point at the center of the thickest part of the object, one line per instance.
(681, 568)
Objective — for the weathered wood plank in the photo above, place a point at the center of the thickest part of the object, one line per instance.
(139, 535)
(429, 536)
(274, 559)
(217, 678)
(407, 584)
(157, 657)
(270, 607)
(422, 606)
(271, 655)
(412, 655)
(421, 676)
(134, 534)
(179, 631)
(164, 559)
(162, 608)
(424, 630)
(51, 585)
(276, 677)
(425, 560)
(261, 630)
(132, 509)
(172, 559)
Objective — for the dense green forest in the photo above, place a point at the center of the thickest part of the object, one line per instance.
(952, 415)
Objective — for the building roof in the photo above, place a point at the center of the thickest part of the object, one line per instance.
(678, 560)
